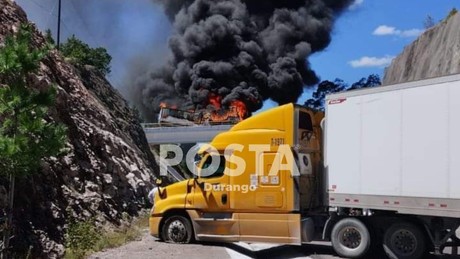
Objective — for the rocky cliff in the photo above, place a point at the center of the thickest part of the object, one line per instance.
(435, 53)
(108, 169)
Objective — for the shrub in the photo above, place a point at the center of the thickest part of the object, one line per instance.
(80, 54)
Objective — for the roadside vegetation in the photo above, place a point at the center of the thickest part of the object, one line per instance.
(84, 238)
(80, 54)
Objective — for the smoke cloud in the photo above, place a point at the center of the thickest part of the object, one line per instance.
(247, 50)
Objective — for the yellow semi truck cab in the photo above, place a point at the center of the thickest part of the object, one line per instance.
(265, 175)
(387, 177)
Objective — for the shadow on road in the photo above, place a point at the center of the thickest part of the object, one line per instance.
(314, 251)
(282, 251)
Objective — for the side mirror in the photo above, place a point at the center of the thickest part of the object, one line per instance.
(159, 182)
(161, 191)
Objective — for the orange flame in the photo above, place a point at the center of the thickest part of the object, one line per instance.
(215, 100)
(237, 112)
(241, 109)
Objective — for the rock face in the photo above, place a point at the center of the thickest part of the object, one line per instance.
(108, 169)
(435, 53)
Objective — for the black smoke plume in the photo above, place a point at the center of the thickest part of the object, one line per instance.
(247, 50)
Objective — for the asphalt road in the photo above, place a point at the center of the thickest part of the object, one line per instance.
(149, 247)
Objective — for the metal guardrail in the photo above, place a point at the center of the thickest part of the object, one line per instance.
(175, 125)
(151, 125)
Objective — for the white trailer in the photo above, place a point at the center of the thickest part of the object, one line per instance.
(392, 156)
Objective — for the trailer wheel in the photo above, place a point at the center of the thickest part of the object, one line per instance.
(350, 238)
(177, 229)
(404, 241)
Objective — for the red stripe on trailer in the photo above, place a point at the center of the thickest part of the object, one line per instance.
(347, 200)
(356, 200)
(396, 202)
(332, 199)
(337, 101)
(443, 205)
(386, 202)
(431, 205)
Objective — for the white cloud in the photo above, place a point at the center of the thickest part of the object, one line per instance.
(411, 33)
(371, 61)
(384, 30)
(356, 4)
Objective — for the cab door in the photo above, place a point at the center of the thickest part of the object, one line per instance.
(210, 191)
(209, 198)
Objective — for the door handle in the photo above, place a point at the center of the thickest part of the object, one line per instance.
(224, 198)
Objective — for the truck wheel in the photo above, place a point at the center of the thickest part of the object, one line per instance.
(177, 229)
(350, 238)
(404, 241)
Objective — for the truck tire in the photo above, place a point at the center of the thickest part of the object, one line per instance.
(350, 238)
(177, 229)
(404, 241)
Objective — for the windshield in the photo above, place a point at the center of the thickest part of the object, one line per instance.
(213, 170)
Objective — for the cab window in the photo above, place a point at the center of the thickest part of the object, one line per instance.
(305, 122)
(213, 171)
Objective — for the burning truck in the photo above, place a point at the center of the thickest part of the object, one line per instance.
(214, 114)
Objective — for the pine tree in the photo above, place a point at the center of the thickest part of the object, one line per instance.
(27, 135)
(428, 22)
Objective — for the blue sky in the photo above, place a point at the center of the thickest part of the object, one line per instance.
(369, 35)
(378, 30)
(364, 41)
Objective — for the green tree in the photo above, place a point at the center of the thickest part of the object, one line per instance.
(27, 135)
(428, 22)
(324, 88)
(327, 87)
(49, 37)
(81, 54)
(371, 81)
